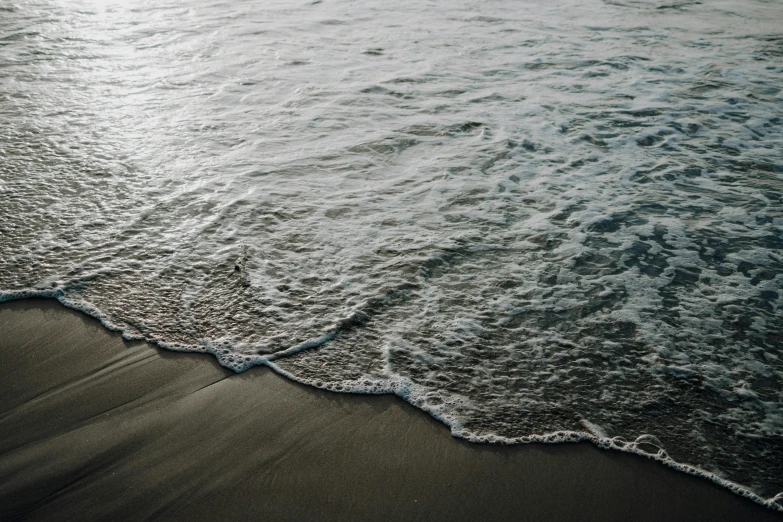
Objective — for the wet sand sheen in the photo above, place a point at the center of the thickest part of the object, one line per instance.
(92, 427)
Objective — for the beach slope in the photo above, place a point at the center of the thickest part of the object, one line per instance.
(96, 428)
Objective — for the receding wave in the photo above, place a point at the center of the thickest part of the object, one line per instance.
(536, 227)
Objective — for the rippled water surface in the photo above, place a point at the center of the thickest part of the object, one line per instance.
(523, 217)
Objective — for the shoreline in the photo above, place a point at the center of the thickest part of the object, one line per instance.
(92, 427)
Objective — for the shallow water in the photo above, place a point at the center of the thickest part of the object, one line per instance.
(525, 218)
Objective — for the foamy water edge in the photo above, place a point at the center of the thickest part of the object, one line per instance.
(410, 393)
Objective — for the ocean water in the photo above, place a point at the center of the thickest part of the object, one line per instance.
(536, 220)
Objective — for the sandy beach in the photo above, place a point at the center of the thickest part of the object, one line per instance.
(96, 428)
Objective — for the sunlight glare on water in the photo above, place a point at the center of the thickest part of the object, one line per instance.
(525, 218)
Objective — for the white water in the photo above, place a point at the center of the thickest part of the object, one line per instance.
(525, 218)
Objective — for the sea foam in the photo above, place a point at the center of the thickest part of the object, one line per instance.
(549, 224)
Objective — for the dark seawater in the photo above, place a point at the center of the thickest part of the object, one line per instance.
(535, 220)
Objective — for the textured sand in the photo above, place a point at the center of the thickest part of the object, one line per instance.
(95, 428)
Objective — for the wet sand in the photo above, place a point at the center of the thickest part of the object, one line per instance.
(96, 428)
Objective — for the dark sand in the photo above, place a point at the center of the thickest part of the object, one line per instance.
(95, 428)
